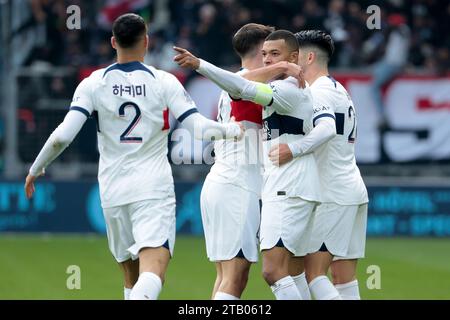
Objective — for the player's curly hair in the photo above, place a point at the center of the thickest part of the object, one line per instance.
(318, 38)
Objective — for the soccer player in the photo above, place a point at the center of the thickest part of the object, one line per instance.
(130, 100)
(290, 192)
(231, 191)
(339, 228)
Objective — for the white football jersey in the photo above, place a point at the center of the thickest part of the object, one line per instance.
(130, 102)
(239, 162)
(286, 119)
(341, 181)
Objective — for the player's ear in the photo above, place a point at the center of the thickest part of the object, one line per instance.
(113, 42)
(146, 42)
(311, 57)
(294, 57)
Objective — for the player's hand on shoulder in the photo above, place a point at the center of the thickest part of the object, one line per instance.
(280, 154)
(238, 127)
(185, 59)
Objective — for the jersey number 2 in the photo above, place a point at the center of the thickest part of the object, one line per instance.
(340, 119)
(125, 136)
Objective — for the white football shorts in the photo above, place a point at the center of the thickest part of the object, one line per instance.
(287, 222)
(142, 224)
(341, 228)
(231, 217)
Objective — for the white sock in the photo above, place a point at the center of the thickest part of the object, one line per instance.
(349, 290)
(224, 296)
(126, 293)
(322, 289)
(147, 287)
(285, 289)
(302, 286)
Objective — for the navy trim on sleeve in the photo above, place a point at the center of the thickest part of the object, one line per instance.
(322, 116)
(234, 99)
(82, 110)
(270, 103)
(187, 114)
(128, 67)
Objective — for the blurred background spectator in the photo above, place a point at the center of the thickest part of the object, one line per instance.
(45, 60)
(206, 27)
(393, 57)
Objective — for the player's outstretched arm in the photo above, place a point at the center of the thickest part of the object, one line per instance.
(274, 71)
(184, 110)
(234, 84)
(324, 131)
(55, 144)
(206, 129)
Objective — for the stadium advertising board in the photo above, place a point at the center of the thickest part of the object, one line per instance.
(75, 207)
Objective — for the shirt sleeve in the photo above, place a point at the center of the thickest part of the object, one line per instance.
(176, 97)
(82, 98)
(206, 129)
(236, 85)
(58, 141)
(324, 131)
(323, 105)
(286, 95)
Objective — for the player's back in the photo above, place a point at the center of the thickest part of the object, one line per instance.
(289, 119)
(239, 162)
(131, 111)
(340, 177)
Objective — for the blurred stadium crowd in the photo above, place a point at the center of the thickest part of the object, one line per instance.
(205, 27)
(414, 38)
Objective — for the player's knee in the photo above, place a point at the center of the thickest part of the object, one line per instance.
(270, 275)
(340, 277)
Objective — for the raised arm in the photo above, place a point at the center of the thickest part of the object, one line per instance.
(184, 110)
(274, 71)
(234, 84)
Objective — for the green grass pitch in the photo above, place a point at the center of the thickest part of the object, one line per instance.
(34, 267)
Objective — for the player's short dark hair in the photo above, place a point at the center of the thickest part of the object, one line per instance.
(248, 37)
(287, 36)
(128, 29)
(317, 38)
